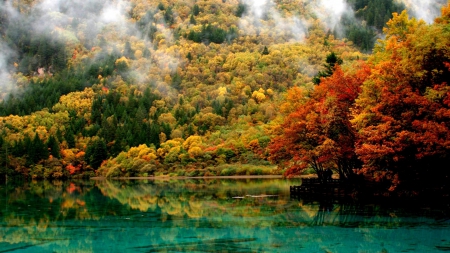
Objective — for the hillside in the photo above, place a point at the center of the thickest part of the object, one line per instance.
(138, 88)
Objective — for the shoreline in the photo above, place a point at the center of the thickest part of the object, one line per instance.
(208, 177)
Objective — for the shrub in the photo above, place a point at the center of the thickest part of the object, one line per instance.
(148, 169)
(113, 171)
(228, 172)
(256, 171)
(193, 173)
(228, 153)
(181, 173)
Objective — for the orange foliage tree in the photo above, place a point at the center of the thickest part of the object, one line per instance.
(318, 133)
(403, 112)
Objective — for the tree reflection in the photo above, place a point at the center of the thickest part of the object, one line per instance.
(32, 211)
(180, 215)
(199, 198)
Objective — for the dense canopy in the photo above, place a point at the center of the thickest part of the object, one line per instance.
(198, 88)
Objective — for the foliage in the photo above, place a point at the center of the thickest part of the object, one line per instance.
(179, 88)
(402, 112)
(211, 34)
(45, 92)
(373, 15)
(317, 133)
(331, 61)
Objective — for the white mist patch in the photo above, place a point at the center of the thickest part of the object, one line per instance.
(299, 28)
(262, 17)
(6, 53)
(91, 23)
(334, 7)
(427, 10)
(114, 13)
(8, 8)
(258, 8)
(94, 14)
(330, 12)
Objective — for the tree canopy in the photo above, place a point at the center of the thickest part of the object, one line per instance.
(187, 88)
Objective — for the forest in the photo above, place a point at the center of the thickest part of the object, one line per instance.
(226, 87)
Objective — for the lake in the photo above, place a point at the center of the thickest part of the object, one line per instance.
(216, 215)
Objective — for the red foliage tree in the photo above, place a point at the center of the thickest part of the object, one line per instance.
(318, 133)
(403, 115)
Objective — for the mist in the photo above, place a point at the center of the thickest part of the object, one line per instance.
(105, 23)
(91, 24)
(330, 12)
(6, 53)
(89, 18)
(6, 85)
(426, 10)
(263, 17)
(69, 22)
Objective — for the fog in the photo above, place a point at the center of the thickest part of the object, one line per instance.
(427, 10)
(90, 23)
(330, 13)
(263, 17)
(5, 69)
(87, 22)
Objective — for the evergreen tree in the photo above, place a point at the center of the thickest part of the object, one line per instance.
(70, 138)
(166, 129)
(168, 16)
(240, 10)
(96, 153)
(146, 53)
(151, 32)
(3, 158)
(192, 20)
(196, 10)
(190, 130)
(53, 145)
(154, 134)
(37, 150)
(331, 61)
(189, 56)
(176, 81)
(128, 51)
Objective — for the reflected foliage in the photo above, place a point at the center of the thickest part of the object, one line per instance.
(217, 215)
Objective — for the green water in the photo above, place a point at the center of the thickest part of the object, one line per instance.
(206, 216)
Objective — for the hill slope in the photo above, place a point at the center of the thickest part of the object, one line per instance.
(119, 88)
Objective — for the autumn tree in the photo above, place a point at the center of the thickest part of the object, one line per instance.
(318, 133)
(403, 110)
(122, 85)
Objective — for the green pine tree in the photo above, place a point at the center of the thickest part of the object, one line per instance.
(96, 153)
(196, 10)
(53, 146)
(70, 138)
(331, 61)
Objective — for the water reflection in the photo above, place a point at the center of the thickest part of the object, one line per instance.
(255, 215)
(201, 198)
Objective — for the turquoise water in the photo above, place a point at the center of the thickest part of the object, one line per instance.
(207, 216)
